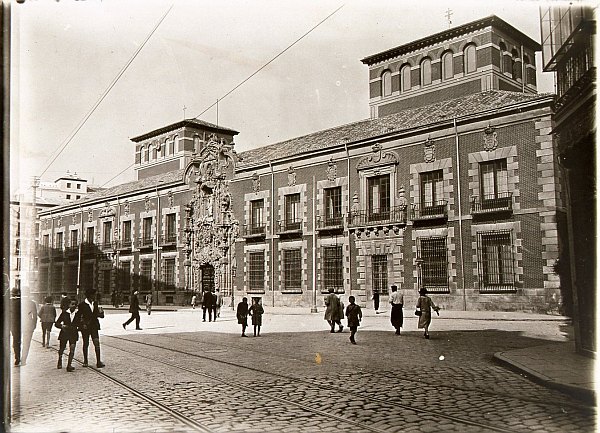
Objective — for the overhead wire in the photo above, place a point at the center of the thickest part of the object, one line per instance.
(270, 61)
(63, 146)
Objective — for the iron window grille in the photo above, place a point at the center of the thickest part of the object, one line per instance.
(71, 278)
(379, 271)
(292, 269)
(495, 262)
(333, 268)
(106, 281)
(378, 189)
(125, 276)
(87, 276)
(256, 271)
(432, 255)
(57, 279)
(292, 212)
(146, 275)
(169, 272)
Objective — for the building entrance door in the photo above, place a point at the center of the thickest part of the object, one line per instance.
(208, 278)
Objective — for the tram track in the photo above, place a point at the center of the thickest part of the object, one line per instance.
(549, 403)
(351, 394)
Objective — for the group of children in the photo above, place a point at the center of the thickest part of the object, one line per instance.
(70, 322)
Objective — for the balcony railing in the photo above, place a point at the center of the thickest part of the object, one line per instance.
(125, 244)
(146, 242)
(58, 252)
(394, 215)
(88, 248)
(71, 251)
(254, 231)
(44, 251)
(430, 211)
(330, 223)
(501, 202)
(289, 227)
(169, 239)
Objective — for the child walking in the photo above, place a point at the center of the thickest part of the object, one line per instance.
(47, 316)
(67, 323)
(256, 311)
(354, 316)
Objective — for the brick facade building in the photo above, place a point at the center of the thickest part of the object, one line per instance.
(452, 185)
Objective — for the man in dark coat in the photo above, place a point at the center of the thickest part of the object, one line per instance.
(134, 309)
(89, 325)
(64, 301)
(332, 312)
(67, 323)
(208, 303)
(15, 322)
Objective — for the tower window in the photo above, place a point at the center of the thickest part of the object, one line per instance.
(386, 83)
(470, 59)
(405, 77)
(426, 72)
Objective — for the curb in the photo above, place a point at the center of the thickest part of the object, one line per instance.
(584, 394)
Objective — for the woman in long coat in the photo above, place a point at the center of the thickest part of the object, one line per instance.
(425, 305)
(332, 312)
(242, 315)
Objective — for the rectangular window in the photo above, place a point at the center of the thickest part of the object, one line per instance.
(256, 213)
(333, 206)
(46, 241)
(147, 231)
(43, 277)
(256, 271)
(379, 273)
(107, 233)
(333, 268)
(57, 279)
(126, 237)
(125, 277)
(169, 270)
(433, 259)
(106, 281)
(495, 261)
(494, 179)
(292, 212)
(78, 186)
(68, 196)
(59, 241)
(89, 237)
(432, 188)
(68, 184)
(74, 238)
(378, 189)
(171, 230)
(146, 275)
(292, 270)
(71, 278)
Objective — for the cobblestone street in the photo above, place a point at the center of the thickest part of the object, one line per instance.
(182, 374)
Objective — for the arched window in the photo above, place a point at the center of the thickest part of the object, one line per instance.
(165, 147)
(386, 83)
(515, 65)
(173, 145)
(147, 153)
(502, 51)
(155, 151)
(425, 72)
(405, 77)
(470, 59)
(447, 65)
(196, 143)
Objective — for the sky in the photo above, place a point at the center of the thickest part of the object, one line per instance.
(65, 54)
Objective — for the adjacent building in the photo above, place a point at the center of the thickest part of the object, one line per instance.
(568, 39)
(452, 184)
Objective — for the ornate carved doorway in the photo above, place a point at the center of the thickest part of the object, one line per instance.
(211, 227)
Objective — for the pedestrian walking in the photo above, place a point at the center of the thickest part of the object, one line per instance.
(332, 311)
(354, 315)
(67, 323)
(194, 301)
(256, 311)
(47, 315)
(113, 299)
(242, 315)
(424, 307)
(64, 301)
(207, 304)
(397, 301)
(89, 325)
(375, 299)
(28, 323)
(218, 303)
(149, 303)
(134, 309)
(15, 323)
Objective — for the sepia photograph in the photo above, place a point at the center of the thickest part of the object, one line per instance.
(299, 216)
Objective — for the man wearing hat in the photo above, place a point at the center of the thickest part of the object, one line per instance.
(397, 301)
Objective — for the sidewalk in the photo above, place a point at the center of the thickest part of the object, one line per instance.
(556, 366)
